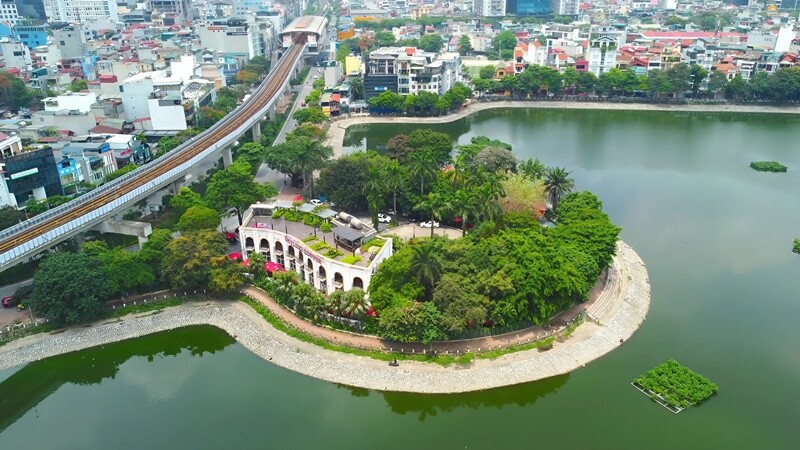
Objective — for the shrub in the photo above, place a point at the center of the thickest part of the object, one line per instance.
(278, 213)
(768, 166)
(351, 259)
(309, 238)
(317, 246)
(333, 253)
(796, 248)
(326, 227)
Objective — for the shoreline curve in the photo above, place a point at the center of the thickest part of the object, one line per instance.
(613, 323)
(338, 128)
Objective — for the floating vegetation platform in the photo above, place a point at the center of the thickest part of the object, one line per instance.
(768, 166)
(674, 386)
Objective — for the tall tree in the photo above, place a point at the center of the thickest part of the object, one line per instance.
(67, 289)
(187, 261)
(465, 207)
(422, 166)
(198, 218)
(431, 42)
(234, 187)
(437, 205)
(395, 176)
(426, 265)
(464, 45)
(557, 184)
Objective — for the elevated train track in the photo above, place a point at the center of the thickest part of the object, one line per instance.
(45, 230)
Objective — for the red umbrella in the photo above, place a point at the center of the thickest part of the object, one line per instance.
(297, 198)
(235, 256)
(273, 267)
(246, 262)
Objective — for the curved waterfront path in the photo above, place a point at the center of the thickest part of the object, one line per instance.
(339, 127)
(619, 311)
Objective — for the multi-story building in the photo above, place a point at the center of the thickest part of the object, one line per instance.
(73, 101)
(409, 71)
(80, 10)
(70, 41)
(174, 11)
(31, 175)
(31, 35)
(489, 8)
(95, 159)
(566, 7)
(602, 55)
(10, 145)
(15, 54)
(528, 7)
(233, 38)
(8, 11)
(31, 8)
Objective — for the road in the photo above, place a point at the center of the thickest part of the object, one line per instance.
(9, 315)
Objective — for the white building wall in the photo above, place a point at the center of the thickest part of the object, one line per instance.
(260, 236)
(134, 97)
(168, 117)
(15, 54)
(80, 10)
(76, 101)
(8, 11)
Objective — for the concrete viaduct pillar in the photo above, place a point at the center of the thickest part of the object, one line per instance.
(256, 131)
(227, 155)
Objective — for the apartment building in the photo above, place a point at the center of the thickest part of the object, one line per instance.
(408, 70)
(80, 10)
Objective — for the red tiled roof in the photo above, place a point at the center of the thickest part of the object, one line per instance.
(100, 129)
(691, 34)
(3, 136)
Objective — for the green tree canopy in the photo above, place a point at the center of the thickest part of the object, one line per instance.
(198, 218)
(234, 187)
(67, 289)
(189, 260)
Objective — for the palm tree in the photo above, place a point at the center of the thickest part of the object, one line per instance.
(355, 303)
(557, 184)
(374, 189)
(426, 265)
(532, 168)
(395, 179)
(465, 206)
(335, 303)
(486, 205)
(437, 205)
(422, 165)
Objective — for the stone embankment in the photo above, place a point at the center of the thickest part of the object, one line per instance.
(616, 318)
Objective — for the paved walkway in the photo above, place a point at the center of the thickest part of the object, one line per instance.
(601, 306)
(338, 128)
(621, 316)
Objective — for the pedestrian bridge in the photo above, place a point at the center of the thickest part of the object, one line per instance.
(22, 241)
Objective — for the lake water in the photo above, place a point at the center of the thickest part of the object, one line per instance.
(716, 237)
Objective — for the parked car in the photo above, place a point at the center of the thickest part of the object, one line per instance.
(231, 237)
(8, 302)
(384, 218)
(315, 201)
(430, 223)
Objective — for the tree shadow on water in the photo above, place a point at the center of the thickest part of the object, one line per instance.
(32, 384)
(429, 405)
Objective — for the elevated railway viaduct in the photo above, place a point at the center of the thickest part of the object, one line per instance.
(42, 232)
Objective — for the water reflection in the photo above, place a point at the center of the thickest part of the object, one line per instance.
(36, 381)
(425, 406)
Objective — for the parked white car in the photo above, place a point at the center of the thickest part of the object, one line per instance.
(315, 202)
(384, 218)
(430, 223)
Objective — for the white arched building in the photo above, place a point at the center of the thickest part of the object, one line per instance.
(282, 242)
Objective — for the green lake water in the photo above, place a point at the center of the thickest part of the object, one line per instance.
(715, 235)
